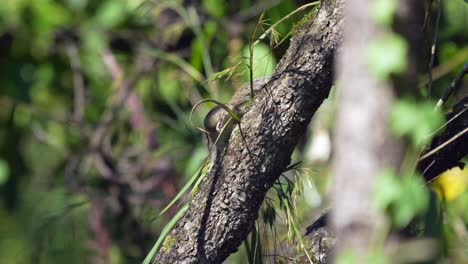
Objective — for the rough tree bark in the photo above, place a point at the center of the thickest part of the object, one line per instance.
(224, 210)
(364, 146)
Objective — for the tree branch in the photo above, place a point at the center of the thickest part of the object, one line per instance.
(79, 96)
(224, 210)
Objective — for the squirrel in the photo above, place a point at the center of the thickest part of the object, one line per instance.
(219, 124)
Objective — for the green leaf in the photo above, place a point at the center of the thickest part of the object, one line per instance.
(416, 191)
(199, 173)
(263, 61)
(216, 8)
(383, 11)
(404, 196)
(197, 157)
(11, 12)
(347, 257)
(196, 55)
(169, 85)
(22, 117)
(413, 201)
(387, 55)
(415, 120)
(378, 256)
(50, 13)
(455, 15)
(46, 17)
(110, 14)
(4, 171)
(57, 135)
(76, 5)
(447, 51)
(167, 229)
(387, 190)
(210, 29)
(462, 206)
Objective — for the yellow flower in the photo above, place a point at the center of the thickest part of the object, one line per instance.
(451, 183)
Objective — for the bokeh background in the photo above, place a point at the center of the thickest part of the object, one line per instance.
(95, 100)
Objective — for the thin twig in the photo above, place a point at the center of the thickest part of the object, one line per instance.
(255, 10)
(438, 72)
(448, 122)
(443, 145)
(453, 85)
(111, 64)
(433, 48)
(79, 97)
(272, 27)
(124, 91)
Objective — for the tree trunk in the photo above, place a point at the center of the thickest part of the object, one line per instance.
(364, 146)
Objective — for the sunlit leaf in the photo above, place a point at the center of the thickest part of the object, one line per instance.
(168, 84)
(215, 8)
(455, 15)
(383, 11)
(413, 201)
(387, 190)
(387, 55)
(263, 61)
(110, 13)
(415, 120)
(402, 196)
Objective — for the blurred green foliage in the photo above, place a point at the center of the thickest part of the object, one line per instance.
(263, 61)
(78, 187)
(387, 56)
(415, 120)
(404, 197)
(383, 11)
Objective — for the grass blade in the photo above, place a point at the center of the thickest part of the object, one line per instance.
(164, 234)
(186, 187)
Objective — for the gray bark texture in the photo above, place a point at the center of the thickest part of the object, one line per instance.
(363, 144)
(223, 212)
